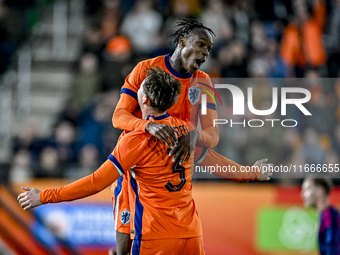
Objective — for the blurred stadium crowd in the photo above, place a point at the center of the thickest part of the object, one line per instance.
(254, 39)
(16, 19)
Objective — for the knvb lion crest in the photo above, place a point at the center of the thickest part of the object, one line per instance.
(125, 217)
(194, 95)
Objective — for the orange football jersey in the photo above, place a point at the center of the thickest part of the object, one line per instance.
(160, 191)
(184, 108)
(127, 114)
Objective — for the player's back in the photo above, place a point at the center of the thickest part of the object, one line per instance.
(161, 191)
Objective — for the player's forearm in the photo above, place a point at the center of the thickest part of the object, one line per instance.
(208, 137)
(235, 171)
(209, 134)
(242, 173)
(123, 119)
(87, 186)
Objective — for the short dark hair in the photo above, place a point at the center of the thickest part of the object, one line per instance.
(161, 88)
(187, 25)
(325, 183)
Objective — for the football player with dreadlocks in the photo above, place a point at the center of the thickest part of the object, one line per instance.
(193, 43)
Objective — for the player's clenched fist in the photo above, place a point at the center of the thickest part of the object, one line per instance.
(30, 198)
(185, 146)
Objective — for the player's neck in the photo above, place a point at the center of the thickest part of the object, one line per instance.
(176, 63)
(322, 205)
(148, 111)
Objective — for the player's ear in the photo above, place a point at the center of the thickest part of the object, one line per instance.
(182, 41)
(145, 99)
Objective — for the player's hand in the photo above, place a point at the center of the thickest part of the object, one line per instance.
(266, 169)
(163, 132)
(185, 146)
(29, 199)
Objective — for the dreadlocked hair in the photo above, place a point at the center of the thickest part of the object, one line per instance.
(161, 88)
(187, 25)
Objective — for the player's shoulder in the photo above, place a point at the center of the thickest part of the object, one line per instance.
(135, 138)
(201, 74)
(202, 79)
(152, 62)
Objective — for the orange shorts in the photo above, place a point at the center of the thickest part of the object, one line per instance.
(176, 246)
(120, 202)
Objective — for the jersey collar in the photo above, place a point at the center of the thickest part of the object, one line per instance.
(172, 71)
(159, 117)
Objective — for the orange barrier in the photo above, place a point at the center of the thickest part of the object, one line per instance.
(15, 228)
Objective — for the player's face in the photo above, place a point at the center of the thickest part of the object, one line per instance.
(196, 49)
(309, 193)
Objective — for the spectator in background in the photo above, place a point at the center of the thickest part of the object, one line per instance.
(315, 193)
(11, 33)
(276, 66)
(142, 25)
(50, 156)
(336, 140)
(214, 17)
(88, 159)
(291, 142)
(21, 167)
(241, 12)
(27, 137)
(258, 37)
(104, 25)
(110, 19)
(233, 60)
(301, 45)
(87, 82)
(177, 10)
(117, 58)
(273, 10)
(92, 7)
(49, 164)
(337, 96)
(322, 104)
(95, 121)
(64, 140)
(193, 7)
(94, 42)
(311, 147)
(333, 40)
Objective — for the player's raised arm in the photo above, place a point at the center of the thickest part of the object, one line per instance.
(208, 136)
(123, 117)
(106, 174)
